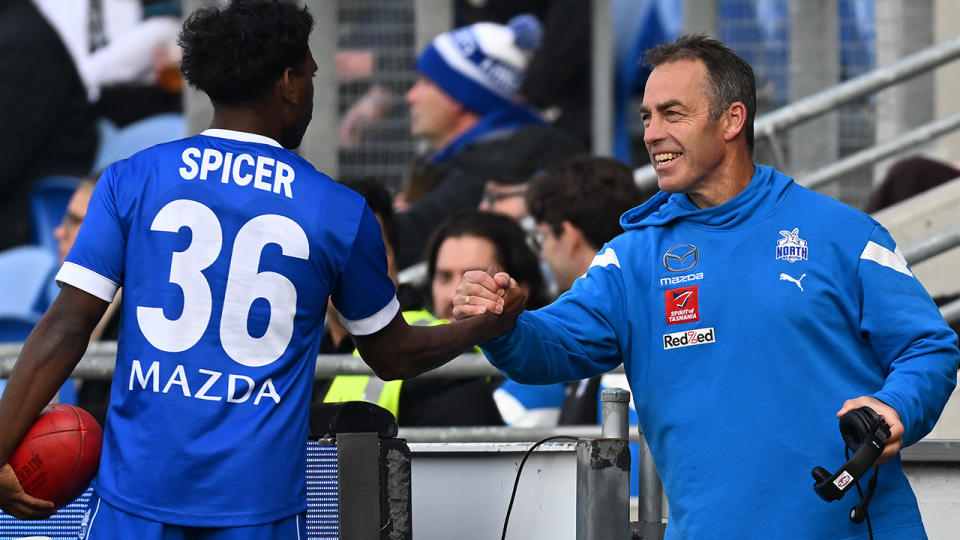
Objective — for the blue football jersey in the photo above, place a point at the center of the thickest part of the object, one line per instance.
(227, 247)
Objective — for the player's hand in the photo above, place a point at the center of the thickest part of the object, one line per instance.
(890, 416)
(494, 295)
(480, 292)
(16, 502)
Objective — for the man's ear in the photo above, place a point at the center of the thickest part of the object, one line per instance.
(734, 120)
(571, 237)
(287, 87)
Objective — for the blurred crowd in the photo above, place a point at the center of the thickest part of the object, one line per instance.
(505, 181)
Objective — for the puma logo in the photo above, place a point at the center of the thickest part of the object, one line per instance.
(785, 277)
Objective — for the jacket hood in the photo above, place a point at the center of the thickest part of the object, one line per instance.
(764, 193)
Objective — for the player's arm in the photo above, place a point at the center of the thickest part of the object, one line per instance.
(401, 351)
(48, 357)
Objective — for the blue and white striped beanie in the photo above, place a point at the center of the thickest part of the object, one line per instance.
(482, 65)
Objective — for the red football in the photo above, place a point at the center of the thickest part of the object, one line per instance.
(59, 455)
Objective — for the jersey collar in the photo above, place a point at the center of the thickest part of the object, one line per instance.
(240, 136)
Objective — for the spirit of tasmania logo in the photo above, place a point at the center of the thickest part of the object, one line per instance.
(682, 305)
(700, 336)
(791, 247)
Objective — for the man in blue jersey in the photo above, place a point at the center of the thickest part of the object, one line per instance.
(227, 246)
(749, 313)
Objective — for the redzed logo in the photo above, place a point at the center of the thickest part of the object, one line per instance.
(682, 305)
(698, 336)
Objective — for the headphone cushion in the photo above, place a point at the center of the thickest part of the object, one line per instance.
(857, 425)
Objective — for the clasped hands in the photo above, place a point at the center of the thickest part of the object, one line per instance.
(494, 293)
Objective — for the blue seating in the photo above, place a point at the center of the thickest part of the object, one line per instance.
(24, 275)
(121, 143)
(48, 204)
(25, 272)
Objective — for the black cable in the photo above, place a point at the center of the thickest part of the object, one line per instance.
(873, 480)
(516, 482)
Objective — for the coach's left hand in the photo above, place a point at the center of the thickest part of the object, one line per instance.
(890, 416)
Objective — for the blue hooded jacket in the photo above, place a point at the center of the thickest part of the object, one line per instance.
(743, 328)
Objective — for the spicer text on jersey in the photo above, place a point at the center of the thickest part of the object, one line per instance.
(242, 169)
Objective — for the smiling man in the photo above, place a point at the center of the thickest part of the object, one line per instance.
(749, 313)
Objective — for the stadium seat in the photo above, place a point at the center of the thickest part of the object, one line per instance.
(16, 328)
(121, 143)
(48, 204)
(26, 271)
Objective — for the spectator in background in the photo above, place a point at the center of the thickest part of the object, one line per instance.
(909, 177)
(465, 103)
(576, 206)
(46, 122)
(125, 51)
(335, 338)
(558, 77)
(473, 240)
(508, 168)
(93, 395)
(906, 178)
(428, 401)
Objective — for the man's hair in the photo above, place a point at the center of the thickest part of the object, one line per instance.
(590, 192)
(236, 54)
(510, 248)
(729, 77)
(378, 199)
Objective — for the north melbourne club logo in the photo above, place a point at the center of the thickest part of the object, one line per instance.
(791, 247)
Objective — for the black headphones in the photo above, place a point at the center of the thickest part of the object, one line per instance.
(865, 433)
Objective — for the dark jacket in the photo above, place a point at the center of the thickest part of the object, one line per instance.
(504, 157)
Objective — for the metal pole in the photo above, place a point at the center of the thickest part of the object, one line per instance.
(318, 146)
(614, 412)
(865, 157)
(820, 102)
(814, 65)
(902, 27)
(951, 311)
(98, 363)
(602, 77)
(932, 245)
(502, 434)
(700, 17)
(197, 109)
(431, 18)
(651, 496)
(603, 474)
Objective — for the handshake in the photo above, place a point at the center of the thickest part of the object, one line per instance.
(496, 293)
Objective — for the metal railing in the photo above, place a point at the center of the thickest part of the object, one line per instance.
(802, 110)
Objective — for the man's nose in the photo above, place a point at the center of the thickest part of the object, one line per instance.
(652, 131)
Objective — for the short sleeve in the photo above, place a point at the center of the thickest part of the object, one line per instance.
(96, 261)
(364, 294)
